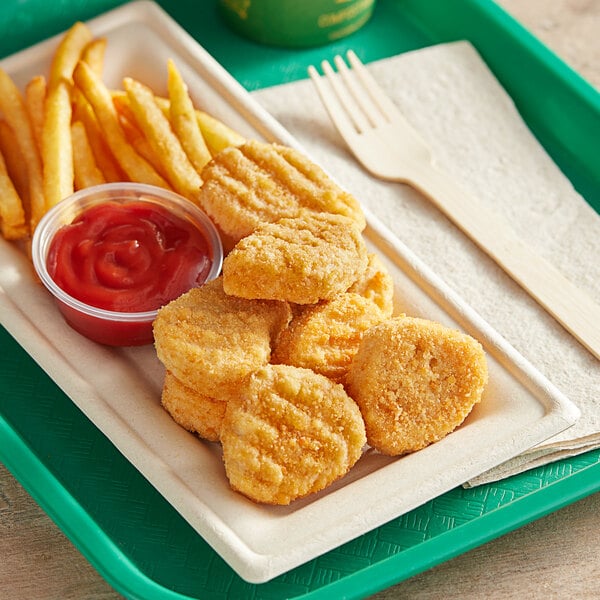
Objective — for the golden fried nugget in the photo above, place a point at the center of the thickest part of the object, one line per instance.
(325, 337)
(289, 433)
(377, 285)
(415, 382)
(211, 340)
(256, 183)
(193, 410)
(303, 260)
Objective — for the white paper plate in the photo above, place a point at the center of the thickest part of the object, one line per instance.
(119, 389)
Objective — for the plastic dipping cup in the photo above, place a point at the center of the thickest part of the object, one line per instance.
(296, 23)
(106, 326)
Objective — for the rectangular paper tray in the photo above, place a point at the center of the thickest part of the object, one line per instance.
(103, 550)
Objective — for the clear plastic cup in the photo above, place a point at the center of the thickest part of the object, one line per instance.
(108, 326)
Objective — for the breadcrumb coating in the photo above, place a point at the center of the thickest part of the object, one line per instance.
(290, 432)
(193, 410)
(292, 359)
(256, 183)
(415, 381)
(376, 284)
(210, 340)
(302, 260)
(325, 337)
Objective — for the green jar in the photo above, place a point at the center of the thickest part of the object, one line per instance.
(296, 23)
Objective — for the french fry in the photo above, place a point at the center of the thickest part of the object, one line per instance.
(12, 215)
(93, 55)
(67, 132)
(15, 165)
(57, 147)
(123, 106)
(105, 160)
(182, 115)
(151, 120)
(86, 171)
(68, 53)
(135, 136)
(35, 99)
(13, 108)
(96, 93)
(216, 134)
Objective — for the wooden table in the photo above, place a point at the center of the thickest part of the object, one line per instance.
(557, 556)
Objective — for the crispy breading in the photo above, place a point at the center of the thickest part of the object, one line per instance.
(210, 341)
(256, 183)
(377, 285)
(291, 432)
(191, 409)
(325, 337)
(303, 259)
(415, 381)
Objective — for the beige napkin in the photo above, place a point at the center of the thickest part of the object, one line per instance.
(475, 132)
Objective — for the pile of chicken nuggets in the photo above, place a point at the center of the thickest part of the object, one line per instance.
(293, 359)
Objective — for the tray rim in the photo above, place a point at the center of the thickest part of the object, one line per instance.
(253, 557)
(51, 495)
(593, 486)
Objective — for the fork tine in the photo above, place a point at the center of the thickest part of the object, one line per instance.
(333, 105)
(362, 98)
(378, 96)
(345, 99)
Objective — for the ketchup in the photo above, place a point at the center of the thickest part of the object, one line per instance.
(132, 257)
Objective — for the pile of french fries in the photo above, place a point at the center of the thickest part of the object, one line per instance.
(70, 131)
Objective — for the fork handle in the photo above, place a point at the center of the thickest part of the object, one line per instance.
(569, 305)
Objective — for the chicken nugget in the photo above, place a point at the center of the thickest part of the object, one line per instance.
(302, 260)
(256, 183)
(325, 337)
(376, 284)
(192, 410)
(291, 432)
(415, 381)
(210, 341)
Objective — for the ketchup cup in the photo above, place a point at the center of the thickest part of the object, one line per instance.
(123, 326)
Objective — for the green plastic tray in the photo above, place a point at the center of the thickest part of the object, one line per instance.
(133, 537)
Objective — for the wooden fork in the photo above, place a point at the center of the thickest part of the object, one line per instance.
(388, 147)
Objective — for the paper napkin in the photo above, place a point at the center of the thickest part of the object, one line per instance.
(475, 132)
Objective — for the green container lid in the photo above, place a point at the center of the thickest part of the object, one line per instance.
(296, 23)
